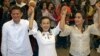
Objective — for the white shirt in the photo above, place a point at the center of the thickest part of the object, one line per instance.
(92, 2)
(46, 41)
(15, 39)
(95, 17)
(20, 5)
(80, 42)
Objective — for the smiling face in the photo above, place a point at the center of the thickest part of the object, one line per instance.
(50, 6)
(45, 24)
(44, 6)
(16, 15)
(6, 3)
(79, 19)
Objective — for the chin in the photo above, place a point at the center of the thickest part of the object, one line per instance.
(77, 24)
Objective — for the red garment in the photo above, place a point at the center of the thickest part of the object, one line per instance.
(58, 15)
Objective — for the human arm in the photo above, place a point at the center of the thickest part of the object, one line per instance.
(4, 41)
(61, 24)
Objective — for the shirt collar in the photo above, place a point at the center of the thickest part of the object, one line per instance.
(13, 23)
(21, 5)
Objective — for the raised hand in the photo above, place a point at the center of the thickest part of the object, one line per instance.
(63, 15)
(64, 11)
(32, 3)
(98, 6)
(30, 11)
(98, 9)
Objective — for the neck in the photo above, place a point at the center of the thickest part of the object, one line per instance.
(6, 6)
(45, 31)
(44, 8)
(79, 26)
(17, 22)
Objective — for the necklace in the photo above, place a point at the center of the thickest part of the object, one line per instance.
(47, 35)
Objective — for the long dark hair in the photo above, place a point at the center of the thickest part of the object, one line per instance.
(83, 17)
(42, 18)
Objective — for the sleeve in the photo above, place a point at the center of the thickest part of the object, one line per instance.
(66, 32)
(34, 28)
(95, 18)
(4, 41)
(35, 25)
(56, 30)
(33, 32)
(93, 29)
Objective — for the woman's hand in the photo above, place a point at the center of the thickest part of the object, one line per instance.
(98, 6)
(63, 16)
(64, 11)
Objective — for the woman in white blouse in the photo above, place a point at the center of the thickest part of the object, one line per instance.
(80, 37)
(46, 36)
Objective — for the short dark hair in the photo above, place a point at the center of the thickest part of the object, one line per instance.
(15, 8)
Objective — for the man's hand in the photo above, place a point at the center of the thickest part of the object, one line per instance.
(30, 11)
(32, 3)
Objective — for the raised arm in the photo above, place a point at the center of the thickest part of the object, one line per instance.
(65, 28)
(31, 12)
(95, 28)
(31, 17)
(63, 16)
(98, 9)
(4, 41)
(61, 24)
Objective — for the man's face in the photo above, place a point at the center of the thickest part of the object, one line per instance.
(6, 3)
(16, 15)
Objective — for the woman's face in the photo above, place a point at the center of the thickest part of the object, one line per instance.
(50, 5)
(44, 5)
(45, 24)
(79, 19)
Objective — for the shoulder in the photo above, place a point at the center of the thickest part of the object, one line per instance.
(91, 26)
(70, 27)
(24, 21)
(7, 23)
